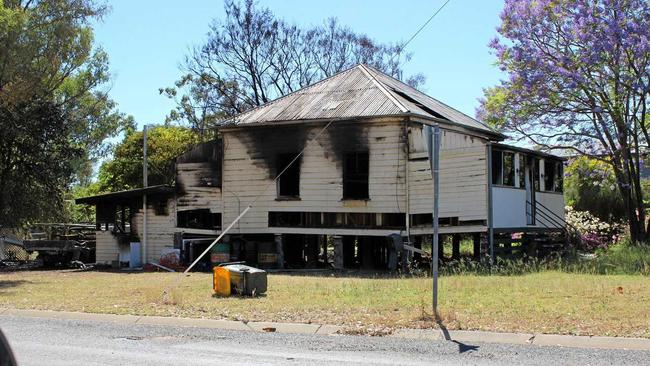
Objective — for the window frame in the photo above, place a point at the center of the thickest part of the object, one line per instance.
(281, 162)
(558, 179)
(499, 166)
(357, 178)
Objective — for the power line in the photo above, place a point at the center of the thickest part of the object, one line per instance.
(425, 24)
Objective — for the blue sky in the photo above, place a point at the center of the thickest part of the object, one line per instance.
(146, 41)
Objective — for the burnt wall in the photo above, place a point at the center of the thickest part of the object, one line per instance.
(346, 137)
(264, 144)
(201, 166)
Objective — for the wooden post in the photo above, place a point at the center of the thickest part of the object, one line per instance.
(366, 246)
(279, 249)
(322, 239)
(312, 250)
(455, 247)
(349, 258)
(417, 242)
(476, 237)
(337, 240)
(441, 246)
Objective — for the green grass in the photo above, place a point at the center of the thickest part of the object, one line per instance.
(546, 301)
(621, 259)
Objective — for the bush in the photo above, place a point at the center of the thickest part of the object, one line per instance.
(594, 233)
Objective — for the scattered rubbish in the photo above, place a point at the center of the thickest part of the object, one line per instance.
(14, 255)
(62, 245)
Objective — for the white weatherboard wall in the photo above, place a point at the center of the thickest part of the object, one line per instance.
(321, 175)
(463, 177)
(107, 249)
(554, 201)
(160, 230)
(509, 207)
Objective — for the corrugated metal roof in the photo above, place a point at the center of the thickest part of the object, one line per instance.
(138, 192)
(361, 91)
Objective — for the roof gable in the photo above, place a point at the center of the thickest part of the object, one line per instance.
(360, 91)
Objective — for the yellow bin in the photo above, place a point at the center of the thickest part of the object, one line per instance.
(221, 281)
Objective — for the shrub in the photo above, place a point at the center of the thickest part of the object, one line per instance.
(594, 233)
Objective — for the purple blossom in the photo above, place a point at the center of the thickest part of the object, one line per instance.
(558, 54)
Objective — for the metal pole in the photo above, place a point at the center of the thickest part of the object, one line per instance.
(434, 159)
(218, 238)
(144, 196)
(490, 213)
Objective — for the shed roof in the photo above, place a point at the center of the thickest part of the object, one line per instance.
(122, 195)
(360, 91)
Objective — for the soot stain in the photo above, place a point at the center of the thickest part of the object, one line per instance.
(346, 138)
(264, 144)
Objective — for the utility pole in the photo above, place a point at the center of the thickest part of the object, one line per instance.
(434, 159)
(144, 196)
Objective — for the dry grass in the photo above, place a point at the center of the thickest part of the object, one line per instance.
(548, 302)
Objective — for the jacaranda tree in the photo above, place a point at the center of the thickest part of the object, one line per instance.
(578, 81)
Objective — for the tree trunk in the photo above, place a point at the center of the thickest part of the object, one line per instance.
(637, 228)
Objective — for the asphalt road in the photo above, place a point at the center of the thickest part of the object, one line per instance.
(40, 341)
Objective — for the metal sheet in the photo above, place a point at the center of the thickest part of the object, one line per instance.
(354, 93)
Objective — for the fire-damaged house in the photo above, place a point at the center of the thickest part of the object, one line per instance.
(364, 174)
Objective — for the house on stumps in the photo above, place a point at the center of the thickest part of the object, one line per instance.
(364, 175)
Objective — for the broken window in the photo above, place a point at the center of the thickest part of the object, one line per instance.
(198, 219)
(160, 208)
(522, 170)
(355, 175)
(508, 169)
(289, 181)
(426, 219)
(503, 168)
(549, 175)
(497, 167)
(559, 177)
(536, 174)
(360, 220)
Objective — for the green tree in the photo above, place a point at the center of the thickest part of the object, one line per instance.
(164, 144)
(252, 57)
(54, 117)
(578, 79)
(80, 213)
(590, 185)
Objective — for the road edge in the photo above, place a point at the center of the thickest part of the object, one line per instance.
(458, 336)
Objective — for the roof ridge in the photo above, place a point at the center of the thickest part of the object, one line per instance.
(428, 96)
(299, 91)
(383, 88)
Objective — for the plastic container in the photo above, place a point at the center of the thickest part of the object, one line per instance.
(221, 281)
(246, 280)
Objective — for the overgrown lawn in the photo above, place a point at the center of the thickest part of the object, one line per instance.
(547, 302)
